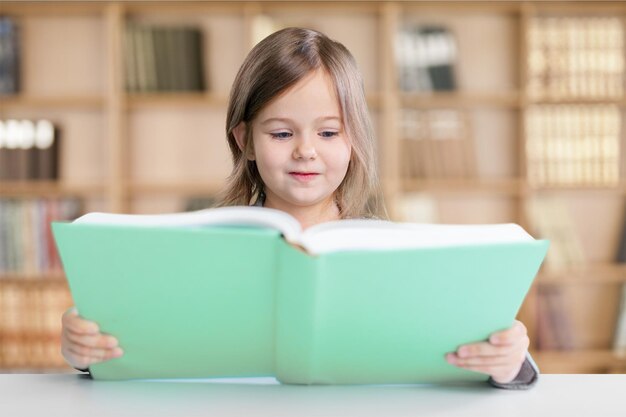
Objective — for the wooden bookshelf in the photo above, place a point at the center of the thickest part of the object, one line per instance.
(29, 189)
(25, 102)
(126, 147)
(593, 274)
(578, 361)
(34, 279)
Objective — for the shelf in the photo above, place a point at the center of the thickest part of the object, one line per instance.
(20, 102)
(587, 274)
(620, 188)
(179, 188)
(577, 361)
(461, 99)
(63, 8)
(574, 101)
(135, 101)
(48, 189)
(51, 278)
(504, 186)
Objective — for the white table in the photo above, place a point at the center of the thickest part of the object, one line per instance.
(71, 395)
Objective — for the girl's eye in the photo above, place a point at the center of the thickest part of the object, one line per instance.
(280, 135)
(328, 134)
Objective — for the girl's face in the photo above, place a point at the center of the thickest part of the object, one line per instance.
(300, 146)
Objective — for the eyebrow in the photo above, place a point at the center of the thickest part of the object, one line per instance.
(286, 119)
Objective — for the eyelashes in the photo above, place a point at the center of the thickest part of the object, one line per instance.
(286, 135)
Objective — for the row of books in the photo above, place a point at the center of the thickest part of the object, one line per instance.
(26, 236)
(163, 58)
(619, 340)
(570, 57)
(29, 150)
(30, 325)
(436, 144)
(555, 330)
(551, 219)
(573, 144)
(9, 56)
(426, 58)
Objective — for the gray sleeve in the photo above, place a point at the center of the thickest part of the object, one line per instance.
(525, 379)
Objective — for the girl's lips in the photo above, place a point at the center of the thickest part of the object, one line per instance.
(304, 176)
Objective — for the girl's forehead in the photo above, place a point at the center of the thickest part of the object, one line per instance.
(315, 93)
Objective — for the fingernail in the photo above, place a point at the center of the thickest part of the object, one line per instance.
(463, 352)
(112, 342)
(117, 352)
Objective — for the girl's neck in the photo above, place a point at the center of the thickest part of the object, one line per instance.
(307, 215)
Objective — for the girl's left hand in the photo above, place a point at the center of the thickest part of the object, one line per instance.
(501, 357)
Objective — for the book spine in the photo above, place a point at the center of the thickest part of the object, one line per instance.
(619, 341)
(296, 290)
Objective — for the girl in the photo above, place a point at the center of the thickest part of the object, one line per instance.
(302, 142)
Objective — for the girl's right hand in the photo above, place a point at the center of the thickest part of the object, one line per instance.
(82, 344)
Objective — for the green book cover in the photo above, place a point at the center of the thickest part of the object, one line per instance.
(229, 294)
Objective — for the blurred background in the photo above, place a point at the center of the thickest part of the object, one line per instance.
(485, 112)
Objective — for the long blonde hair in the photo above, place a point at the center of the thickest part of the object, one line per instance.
(276, 63)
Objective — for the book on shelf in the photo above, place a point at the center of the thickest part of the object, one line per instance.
(621, 249)
(163, 58)
(196, 203)
(351, 301)
(30, 325)
(26, 238)
(29, 150)
(554, 330)
(550, 219)
(418, 207)
(619, 340)
(9, 56)
(437, 144)
(570, 145)
(426, 56)
(576, 57)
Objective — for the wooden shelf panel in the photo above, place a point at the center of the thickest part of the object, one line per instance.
(462, 7)
(587, 274)
(136, 101)
(575, 101)
(504, 186)
(56, 8)
(460, 99)
(21, 102)
(182, 7)
(180, 188)
(53, 278)
(578, 361)
(48, 189)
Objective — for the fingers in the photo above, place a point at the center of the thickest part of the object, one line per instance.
(510, 335)
(501, 374)
(82, 344)
(501, 357)
(73, 321)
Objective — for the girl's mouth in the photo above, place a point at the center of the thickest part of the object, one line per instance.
(303, 176)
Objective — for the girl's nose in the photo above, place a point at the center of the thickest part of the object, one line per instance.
(304, 149)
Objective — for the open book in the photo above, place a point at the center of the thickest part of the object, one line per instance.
(332, 236)
(243, 291)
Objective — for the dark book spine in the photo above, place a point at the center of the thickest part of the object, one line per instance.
(47, 144)
(621, 250)
(9, 56)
